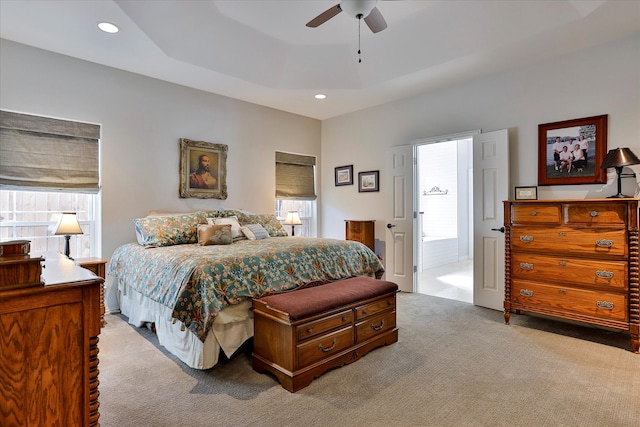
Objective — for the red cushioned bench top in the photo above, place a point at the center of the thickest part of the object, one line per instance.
(306, 302)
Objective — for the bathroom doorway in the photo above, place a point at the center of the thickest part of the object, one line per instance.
(444, 235)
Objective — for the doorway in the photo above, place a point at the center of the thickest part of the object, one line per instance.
(444, 232)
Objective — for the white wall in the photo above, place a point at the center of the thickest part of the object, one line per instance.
(142, 120)
(600, 80)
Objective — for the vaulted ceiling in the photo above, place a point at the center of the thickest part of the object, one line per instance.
(262, 52)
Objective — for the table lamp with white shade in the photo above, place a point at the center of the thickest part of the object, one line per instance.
(67, 226)
(293, 219)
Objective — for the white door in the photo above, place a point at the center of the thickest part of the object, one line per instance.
(399, 264)
(490, 188)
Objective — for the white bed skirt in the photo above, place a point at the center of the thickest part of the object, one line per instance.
(231, 328)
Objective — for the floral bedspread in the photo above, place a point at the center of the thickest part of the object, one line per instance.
(199, 281)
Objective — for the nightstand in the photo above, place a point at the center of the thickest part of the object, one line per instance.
(98, 267)
(361, 231)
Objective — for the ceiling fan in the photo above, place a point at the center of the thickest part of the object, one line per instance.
(357, 8)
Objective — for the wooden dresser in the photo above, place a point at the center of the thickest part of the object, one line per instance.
(49, 344)
(361, 231)
(574, 259)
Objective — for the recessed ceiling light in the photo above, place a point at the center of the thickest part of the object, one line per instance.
(108, 27)
(320, 96)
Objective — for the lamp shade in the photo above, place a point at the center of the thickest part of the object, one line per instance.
(68, 225)
(619, 157)
(293, 218)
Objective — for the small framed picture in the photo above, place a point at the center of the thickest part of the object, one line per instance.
(527, 193)
(344, 175)
(203, 169)
(368, 181)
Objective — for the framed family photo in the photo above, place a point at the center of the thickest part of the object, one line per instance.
(344, 175)
(203, 169)
(571, 151)
(368, 181)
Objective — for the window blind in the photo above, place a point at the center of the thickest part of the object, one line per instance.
(295, 177)
(41, 153)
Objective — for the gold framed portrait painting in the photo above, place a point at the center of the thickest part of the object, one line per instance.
(203, 169)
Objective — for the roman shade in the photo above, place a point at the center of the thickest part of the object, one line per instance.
(41, 153)
(295, 177)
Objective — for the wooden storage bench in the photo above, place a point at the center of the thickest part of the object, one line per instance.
(299, 335)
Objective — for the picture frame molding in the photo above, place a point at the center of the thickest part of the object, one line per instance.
(339, 177)
(364, 186)
(599, 176)
(189, 152)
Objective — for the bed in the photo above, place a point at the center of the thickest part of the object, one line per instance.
(199, 296)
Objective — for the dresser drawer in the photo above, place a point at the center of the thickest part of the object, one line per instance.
(613, 214)
(324, 346)
(320, 326)
(537, 213)
(604, 305)
(375, 325)
(577, 271)
(375, 307)
(571, 241)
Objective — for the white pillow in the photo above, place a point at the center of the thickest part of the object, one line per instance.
(236, 234)
(255, 232)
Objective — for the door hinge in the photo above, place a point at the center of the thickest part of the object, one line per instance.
(415, 268)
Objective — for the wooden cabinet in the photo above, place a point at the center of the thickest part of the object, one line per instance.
(49, 348)
(361, 231)
(297, 351)
(574, 259)
(97, 266)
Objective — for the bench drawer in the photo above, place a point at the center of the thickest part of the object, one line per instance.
(320, 326)
(375, 307)
(324, 346)
(376, 325)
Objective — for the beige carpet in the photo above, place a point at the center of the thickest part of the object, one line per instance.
(454, 365)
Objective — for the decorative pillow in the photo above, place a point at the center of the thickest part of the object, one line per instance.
(242, 216)
(236, 234)
(254, 232)
(270, 223)
(168, 230)
(214, 234)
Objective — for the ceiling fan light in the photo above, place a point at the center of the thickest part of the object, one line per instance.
(358, 8)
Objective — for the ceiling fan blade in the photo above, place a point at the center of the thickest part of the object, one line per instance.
(375, 21)
(325, 16)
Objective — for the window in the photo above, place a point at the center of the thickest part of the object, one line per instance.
(33, 216)
(306, 210)
(295, 191)
(49, 166)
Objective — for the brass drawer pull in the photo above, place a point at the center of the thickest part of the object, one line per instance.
(377, 328)
(328, 349)
(526, 266)
(310, 330)
(604, 243)
(605, 304)
(604, 274)
(526, 293)
(526, 238)
(562, 263)
(533, 213)
(593, 214)
(562, 291)
(562, 233)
